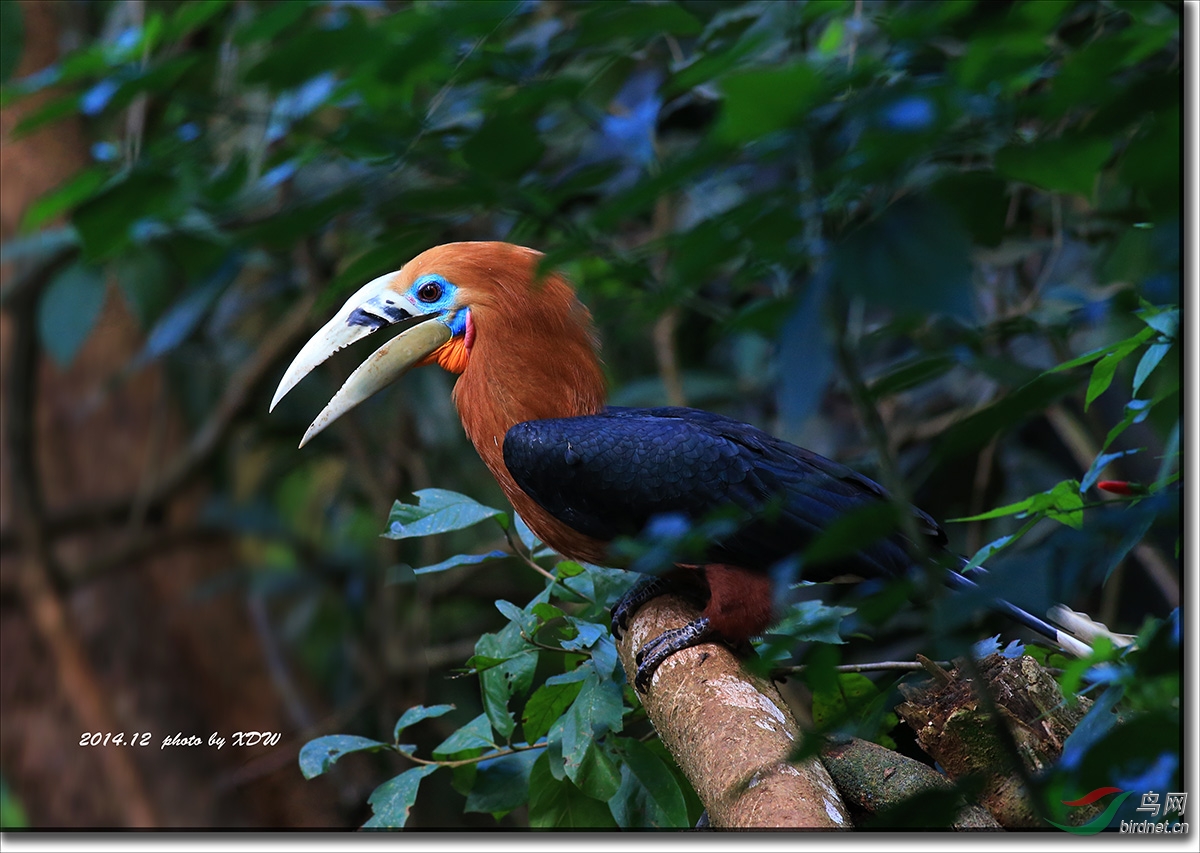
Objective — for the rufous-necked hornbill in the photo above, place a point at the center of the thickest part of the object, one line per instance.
(531, 395)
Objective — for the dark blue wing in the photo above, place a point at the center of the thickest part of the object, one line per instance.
(609, 474)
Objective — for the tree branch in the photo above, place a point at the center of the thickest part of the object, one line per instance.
(875, 779)
(204, 442)
(76, 677)
(730, 732)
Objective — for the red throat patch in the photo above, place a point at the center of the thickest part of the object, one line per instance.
(452, 356)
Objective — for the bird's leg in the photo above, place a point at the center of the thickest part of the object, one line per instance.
(738, 607)
(651, 586)
(651, 655)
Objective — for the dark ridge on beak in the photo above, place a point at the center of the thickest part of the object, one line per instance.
(391, 314)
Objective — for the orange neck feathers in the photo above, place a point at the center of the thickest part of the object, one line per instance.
(532, 355)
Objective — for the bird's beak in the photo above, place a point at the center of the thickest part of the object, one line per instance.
(374, 306)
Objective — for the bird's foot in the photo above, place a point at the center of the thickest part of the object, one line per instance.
(651, 655)
(645, 589)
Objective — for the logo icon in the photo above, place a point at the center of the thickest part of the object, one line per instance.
(1102, 820)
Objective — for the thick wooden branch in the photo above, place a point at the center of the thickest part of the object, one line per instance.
(730, 732)
(953, 724)
(874, 779)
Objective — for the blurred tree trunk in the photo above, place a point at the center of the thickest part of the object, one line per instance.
(136, 648)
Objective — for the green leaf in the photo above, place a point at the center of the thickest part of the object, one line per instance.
(192, 15)
(467, 741)
(68, 310)
(393, 800)
(460, 560)
(1066, 505)
(568, 569)
(979, 201)
(555, 804)
(504, 147)
(598, 775)
(146, 280)
(12, 39)
(499, 683)
(765, 100)
(296, 221)
(546, 612)
(1165, 321)
(710, 66)
(1136, 411)
(831, 40)
(812, 622)
(1106, 368)
(1150, 360)
(985, 553)
(1151, 161)
(183, 318)
(319, 755)
(851, 532)
(1130, 539)
(545, 706)
(290, 62)
(1070, 165)
(83, 185)
(38, 245)
(50, 111)
(587, 634)
(1102, 462)
(525, 621)
(606, 22)
(105, 220)
(270, 22)
(999, 512)
(914, 259)
(438, 511)
(502, 784)
(1013, 408)
(596, 711)
(1134, 341)
(650, 796)
(847, 698)
(912, 373)
(526, 535)
(1062, 503)
(416, 714)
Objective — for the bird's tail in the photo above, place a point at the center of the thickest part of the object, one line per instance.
(1077, 629)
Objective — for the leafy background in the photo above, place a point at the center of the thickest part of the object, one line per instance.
(871, 228)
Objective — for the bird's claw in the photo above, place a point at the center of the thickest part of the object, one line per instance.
(650, 656)
(631, 601)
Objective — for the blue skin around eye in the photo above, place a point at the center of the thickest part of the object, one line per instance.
(453, 316)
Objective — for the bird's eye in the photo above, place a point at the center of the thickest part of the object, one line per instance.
(430, 291)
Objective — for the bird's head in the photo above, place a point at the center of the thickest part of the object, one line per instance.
(441, 299)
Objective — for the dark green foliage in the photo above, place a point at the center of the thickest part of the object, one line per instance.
(948, 217)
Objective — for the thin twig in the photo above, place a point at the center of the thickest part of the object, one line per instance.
(878, 666)
(519, 552)
(463, 762)
(855, 30)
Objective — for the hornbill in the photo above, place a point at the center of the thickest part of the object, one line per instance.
(531, 395)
